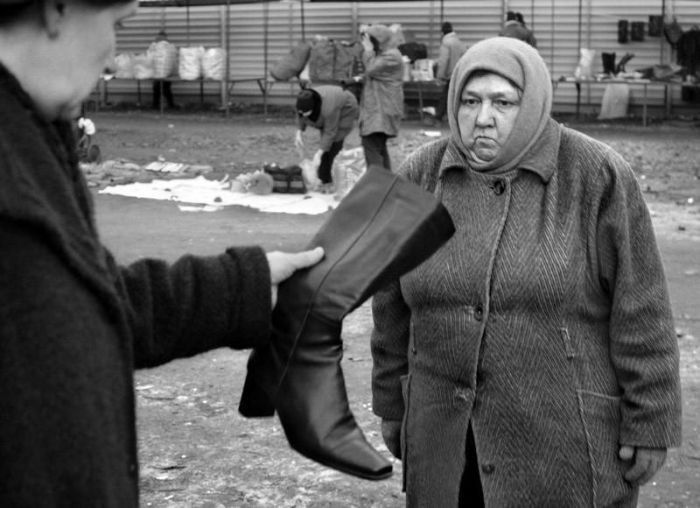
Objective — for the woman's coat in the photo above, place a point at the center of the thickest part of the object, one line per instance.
(545, 321)
(381, 106)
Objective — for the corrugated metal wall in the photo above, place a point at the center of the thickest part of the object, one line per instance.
(260, 33)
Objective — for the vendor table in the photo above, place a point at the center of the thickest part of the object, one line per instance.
(644, 83)
(103, 88)
(423, 90)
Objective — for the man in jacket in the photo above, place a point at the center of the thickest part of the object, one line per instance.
(333, 111)
(451, 50)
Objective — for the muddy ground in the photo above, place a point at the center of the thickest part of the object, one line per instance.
(195, 449)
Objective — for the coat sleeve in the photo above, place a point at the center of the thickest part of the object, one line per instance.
(643, 347)
(330, 128)
(389, 345)
(443, 60)
(381, 67)
(197, 304)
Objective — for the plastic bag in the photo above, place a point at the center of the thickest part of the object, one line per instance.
(214, 64)
(615, 101)
(124, 66)
(190, 62)
(584, 69)
(142, 66)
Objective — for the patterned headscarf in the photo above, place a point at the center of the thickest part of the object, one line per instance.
(521, 64)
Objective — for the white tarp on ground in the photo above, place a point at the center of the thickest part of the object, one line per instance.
(200, 194)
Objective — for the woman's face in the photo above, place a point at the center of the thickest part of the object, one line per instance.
(488, 107)
(82, 47)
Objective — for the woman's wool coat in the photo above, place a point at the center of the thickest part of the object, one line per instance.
(545, 322)
(381, 105)
(74, 325)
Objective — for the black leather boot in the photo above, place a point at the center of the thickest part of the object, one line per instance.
(381, 230)
(608, 63)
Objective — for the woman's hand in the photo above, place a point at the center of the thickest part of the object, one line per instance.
(391, 433)
(645, 462)
(284, 264)
(299, 141)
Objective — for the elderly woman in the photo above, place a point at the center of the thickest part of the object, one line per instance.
(532, 360)
(73, 324)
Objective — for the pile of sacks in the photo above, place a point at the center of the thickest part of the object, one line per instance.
(164, 60)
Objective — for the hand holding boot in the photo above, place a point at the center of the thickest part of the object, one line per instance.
(283, 265)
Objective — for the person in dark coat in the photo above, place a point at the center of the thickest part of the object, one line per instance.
(333, 111)
(73, 323)
(532, 360)
(451, 50)
(163, 88)
(381, 106)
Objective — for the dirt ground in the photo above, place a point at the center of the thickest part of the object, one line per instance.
(195, 449)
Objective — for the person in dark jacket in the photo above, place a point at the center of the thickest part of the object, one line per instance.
(539, 341)
(451, 50)
(73, 323)
(515, 27)
(333, 111)
(162, 88)
(381, 106)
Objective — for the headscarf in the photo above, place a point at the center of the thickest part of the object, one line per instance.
(521, 64)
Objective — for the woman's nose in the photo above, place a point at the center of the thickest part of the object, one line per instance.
(484, 116)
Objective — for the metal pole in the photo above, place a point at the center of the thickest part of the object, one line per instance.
(266, 16)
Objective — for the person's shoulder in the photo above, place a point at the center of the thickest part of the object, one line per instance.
(599, 160)
(424, 160)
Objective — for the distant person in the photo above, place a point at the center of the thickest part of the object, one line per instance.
(162, 88)
(333, 111)
(516, 28)
(74, 324)
(381, 107)
(451, 49)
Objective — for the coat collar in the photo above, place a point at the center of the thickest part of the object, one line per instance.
(541, 159)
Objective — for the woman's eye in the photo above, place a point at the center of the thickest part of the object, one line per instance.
(469, 101)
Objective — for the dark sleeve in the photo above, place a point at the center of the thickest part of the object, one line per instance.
(381, 67)
(643, 346)
(197, 304)
(389, 346)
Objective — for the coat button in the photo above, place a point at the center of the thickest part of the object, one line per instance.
(488, 468)
(479, 312)
(132, 469)
(499, 187)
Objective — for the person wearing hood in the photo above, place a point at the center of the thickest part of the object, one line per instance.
(381, 105)
(73, 323)
(333, 111)
(532, 360)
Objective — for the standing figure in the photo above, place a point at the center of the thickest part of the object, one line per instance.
(532, 360)
(73, 323)
(333, 111)
(451, 50)
(381, 107)
(162, 88)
